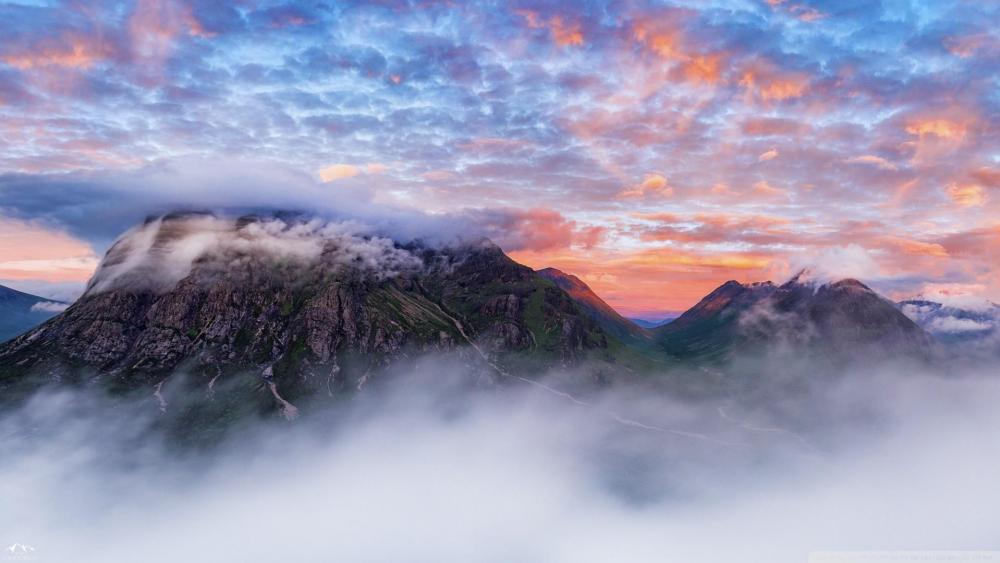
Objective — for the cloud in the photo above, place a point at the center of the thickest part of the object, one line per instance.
(962, 296)
(77, 203)
(877, 161)
(564, 33)
(764, 189)
(767, 82)
(514, 474)
(531, 229)
(338, 171)
(49, 307)
(954, 324)
(966, 195)
(162, 252)
(940, 128)
(770, 154)
(59, 291)
(837, 263)
(678, 91)
(772, 126)
(652, 184)
(966, 46)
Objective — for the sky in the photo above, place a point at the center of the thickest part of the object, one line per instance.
(654, 149)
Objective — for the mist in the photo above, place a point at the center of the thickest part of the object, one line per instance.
(161, 252)
(428, 468)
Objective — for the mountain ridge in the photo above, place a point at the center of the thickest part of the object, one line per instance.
(20, 311)
(293, 310)
(595, 307)
(843, 319)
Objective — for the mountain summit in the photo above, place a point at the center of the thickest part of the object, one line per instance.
(844, 319)
(304, 305)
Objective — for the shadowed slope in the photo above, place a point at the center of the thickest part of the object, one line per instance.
(21, 311)
(595, 307)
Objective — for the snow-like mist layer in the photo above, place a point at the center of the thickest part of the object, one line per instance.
(49, 307)
(424, 473)
(161, 252)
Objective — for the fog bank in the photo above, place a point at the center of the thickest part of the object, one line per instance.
(427, 473)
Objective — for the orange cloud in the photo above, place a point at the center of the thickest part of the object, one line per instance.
(768, 83)
(703, 68)
(563, 33)
(801, 12)
(762, 188)
(942, 128)
(988, 176)
(966, 195)
(783, 88)
(873, 160)
(537, 229)
(770, 154)
(336, 172)
(667, 43)
(910, 246)
(75, 51)
(652, 184)
(155, 24)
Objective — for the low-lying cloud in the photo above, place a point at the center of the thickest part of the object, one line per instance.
(163, 251)
(874, 460)
(49, 307)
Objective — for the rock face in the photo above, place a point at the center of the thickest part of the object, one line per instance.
(309, 304)
(21, 311)
(595, 307)
(840, 320)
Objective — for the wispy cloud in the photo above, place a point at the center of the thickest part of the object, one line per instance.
(593, 113)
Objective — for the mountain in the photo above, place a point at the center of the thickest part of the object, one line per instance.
(955, 325)
(595, 307)
(647, 323)
(21, 311)
(296, 306)
(843, 320)
(218, 318)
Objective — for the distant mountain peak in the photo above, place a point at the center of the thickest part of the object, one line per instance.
(840, 317)
(20, 311)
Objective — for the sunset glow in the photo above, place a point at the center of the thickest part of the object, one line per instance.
(654, 151)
